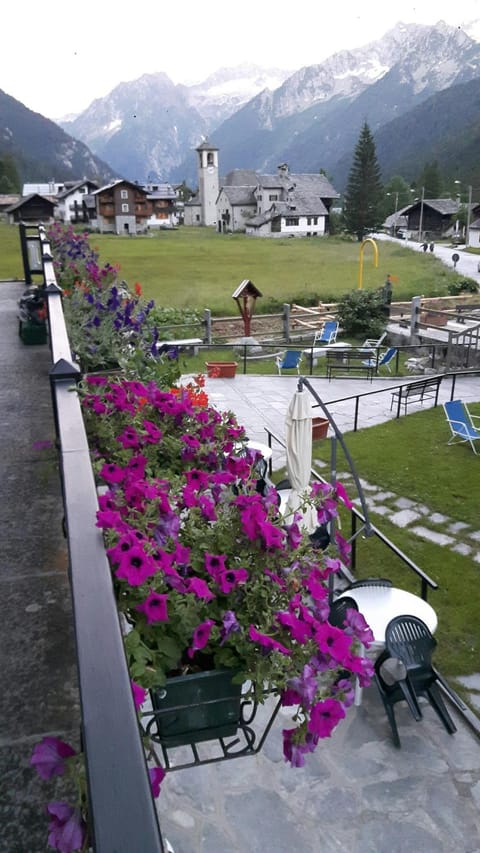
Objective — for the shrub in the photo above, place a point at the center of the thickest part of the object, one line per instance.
(361, 313)
(465, 285)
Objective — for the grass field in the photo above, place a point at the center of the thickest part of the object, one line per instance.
(198, 268)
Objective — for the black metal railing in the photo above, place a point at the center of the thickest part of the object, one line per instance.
(121, 807)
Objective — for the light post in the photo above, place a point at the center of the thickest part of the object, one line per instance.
(469, 211)
(395, 214)
(458, 202)
(420, 224)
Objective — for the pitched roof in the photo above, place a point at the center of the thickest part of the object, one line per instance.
(239, 195)
(444, 206)
(240, 178)
(28, 198)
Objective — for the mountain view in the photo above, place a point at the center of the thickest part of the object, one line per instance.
(418, 88)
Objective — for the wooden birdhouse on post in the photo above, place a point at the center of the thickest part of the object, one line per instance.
(246, 296)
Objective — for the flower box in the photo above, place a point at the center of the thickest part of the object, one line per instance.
(33, 333)
(197, 707)
(319, 428)
(221, 369)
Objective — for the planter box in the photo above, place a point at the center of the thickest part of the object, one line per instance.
(197, 707)
(224, 369)
(319, 428)
(33, 333)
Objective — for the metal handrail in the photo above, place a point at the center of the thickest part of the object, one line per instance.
(121, 806)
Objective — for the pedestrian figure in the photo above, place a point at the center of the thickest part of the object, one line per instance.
(425, 247)
(432, 246)
(387, 295)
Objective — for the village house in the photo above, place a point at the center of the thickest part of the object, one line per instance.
(284, 204)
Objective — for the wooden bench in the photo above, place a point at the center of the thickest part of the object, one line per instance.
(417, 392)
(347, 361)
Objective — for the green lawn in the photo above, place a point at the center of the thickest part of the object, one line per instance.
(198, 268)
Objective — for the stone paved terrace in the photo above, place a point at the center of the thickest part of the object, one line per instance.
(357, 793)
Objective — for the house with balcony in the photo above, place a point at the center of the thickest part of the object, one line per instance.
(163, 209)
(122, 207)
(76, 204)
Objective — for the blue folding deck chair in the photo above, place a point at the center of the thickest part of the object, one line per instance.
(461, 423)
(383, 361)
(327, 334)
(289, 361)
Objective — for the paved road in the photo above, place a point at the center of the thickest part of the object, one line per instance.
(466, 265)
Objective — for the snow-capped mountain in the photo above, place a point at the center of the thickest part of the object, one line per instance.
(260, 118)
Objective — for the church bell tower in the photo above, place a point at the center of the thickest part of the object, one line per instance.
(208, 182)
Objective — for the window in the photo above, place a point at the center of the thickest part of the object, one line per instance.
(315, 220)
(123, 193)
(291, 220)
(273, 197)
(124, 208)
(210, 158)
(309, 220)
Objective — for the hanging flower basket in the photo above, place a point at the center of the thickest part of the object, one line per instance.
(223, 369)
(196, 707)
(319, 428)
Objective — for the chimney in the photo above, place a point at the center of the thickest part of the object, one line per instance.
(283, 170)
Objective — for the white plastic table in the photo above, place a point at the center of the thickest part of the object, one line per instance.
(380, 604)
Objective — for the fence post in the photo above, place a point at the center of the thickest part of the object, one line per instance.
(207, 322)
(414, 318)
(286, 322)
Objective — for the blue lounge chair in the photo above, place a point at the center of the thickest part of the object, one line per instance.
(383, 361)
(289, 361)
(327, 334)
(461, 423)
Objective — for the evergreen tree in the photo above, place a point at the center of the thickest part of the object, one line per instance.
(431, 179)
(364, 195)
(9, 174)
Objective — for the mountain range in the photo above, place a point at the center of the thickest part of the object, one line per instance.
(418, 88)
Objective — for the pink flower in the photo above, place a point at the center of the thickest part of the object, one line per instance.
(201, 636)
(200, 588)
(333, 641)
(267, 642)
(139, 694)
(135, 566)
(67, 829)
(325, 716)
(154, 607)
(230, 578)
(49, 756)
(157, 775)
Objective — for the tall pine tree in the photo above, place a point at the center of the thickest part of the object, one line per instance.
(364, 196)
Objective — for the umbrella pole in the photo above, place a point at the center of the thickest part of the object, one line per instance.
(367, 528)
(333, 480)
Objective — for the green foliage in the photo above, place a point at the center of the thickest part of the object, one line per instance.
(364, 196)
(9, 177)
(361, 313)
(465, 285)
(431, 180)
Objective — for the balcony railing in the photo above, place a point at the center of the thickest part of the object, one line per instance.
(121, 806)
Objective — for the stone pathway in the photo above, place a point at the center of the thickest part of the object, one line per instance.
(432, 526)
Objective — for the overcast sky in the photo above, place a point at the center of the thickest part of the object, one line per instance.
(57, 57)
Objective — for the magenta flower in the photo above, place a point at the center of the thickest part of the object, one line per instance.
(112, 473)
(230, 625)
(200, 588)
(272, 535)
(67, 829)
(135, 566)
(230, 578)
(129, 438)
(333, 641)
(267, 642)
(201, 636)
(215, 563)
(49, 756)
(154, 607)
(294, 749)
(139, 694)
(157, 775)
(325, 716)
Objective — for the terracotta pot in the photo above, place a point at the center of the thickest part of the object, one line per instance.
(224, 369)
(319, 428)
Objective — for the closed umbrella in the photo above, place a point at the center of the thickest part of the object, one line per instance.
(298, 423)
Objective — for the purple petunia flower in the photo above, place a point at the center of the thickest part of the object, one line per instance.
(154, 607)
(201, 636)
(139, 694)
(230, 625)
(325, 715)
(67, 829)
(49, 756)
(267, 642)
(157, 775)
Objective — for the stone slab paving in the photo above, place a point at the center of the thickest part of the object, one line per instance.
(37, 657)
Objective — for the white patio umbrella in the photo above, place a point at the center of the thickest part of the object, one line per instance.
(298, 423)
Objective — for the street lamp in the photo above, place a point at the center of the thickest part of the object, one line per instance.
(420, 225)
(469, 211)
(395, 214)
